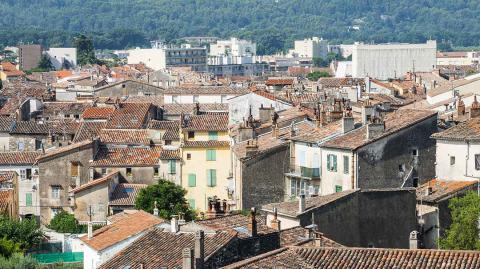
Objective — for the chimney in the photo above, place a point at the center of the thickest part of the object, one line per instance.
(251, 148)
(318, 239)
(301, 203)
(414, 240)
(90, 230)
(187, 258)
(367, 112)
(174, 224)
(196, 109)
(275, 131)
(199, 249)
(348, 123)
(265, 114)
(155, 209)
(475, 108)
(428, 190)
(460, 106)
(375, 129)
(275, 223)
(252, 222)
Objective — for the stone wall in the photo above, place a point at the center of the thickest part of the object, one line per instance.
(128, 88)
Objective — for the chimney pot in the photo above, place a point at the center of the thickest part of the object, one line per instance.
(174, 225)
(187, 258)
(414, 240)
(275, 223)
(252, 222)
(90, 230)
(301, 203)
(199, 249)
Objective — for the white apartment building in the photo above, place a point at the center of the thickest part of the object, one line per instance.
(311, 48)
(384, 61)
(234, 47)
(62, 57)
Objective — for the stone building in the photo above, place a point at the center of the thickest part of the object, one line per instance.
(29, 56)
(128, 88)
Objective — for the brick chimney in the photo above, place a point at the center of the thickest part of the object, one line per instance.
(251, 148)
(199, 249)
(187, 258)
(460, 107)
(367, 112)
(275, 223)
(475, 108)
(252, 222)
(301, 203)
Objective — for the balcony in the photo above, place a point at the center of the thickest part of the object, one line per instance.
(304, 172)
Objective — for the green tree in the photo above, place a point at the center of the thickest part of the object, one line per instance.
(315, 75)
(463, 233)
(170, 200)
(8, 247)
(45, 64)
(320, 62)
(65, 222)
(18, 261)
(85, 50)
(26, 232)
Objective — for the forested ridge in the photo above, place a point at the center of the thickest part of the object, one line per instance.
(274, 24)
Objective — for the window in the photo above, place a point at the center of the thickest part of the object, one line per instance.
(28, 199)
(338, 188)
(345, 164)
(298, 186)
(28, 172)
(20, 146)
(195, 99)
(56, 192)
(211, 177)
(415, 152)
(172, 167)
(192, 180)
(191, 135)
(155, 171)
(129, 171)
(302, 159)
(74, 169)
(175, 99)
(401, 168)
(104, 171)
(477, 161)
(211, 155)
(191, 203)
(452, 160)
(189, 156)
(168, 142)
(223, 99)
(212, 136)
(332, 162)
(415, 182)
(23, 174)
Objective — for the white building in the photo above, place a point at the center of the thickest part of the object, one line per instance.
(201, 94)
(384, 61)
(63, 57)
(234, 47)
(449, 90)
(311, 48)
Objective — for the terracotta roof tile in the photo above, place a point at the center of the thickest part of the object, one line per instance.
(205, 144)
(127, 157)
(236, 221)
(163, 249)
(125, 194)
(5, 200)
(199, 89)
(19, 158)
(7, 176)
(125, 137)
(394, 122)
(64, 149)
(171, 128)
(118, 231)
(88, 130)
(177, 109)
(347, 258)
(443, 189)
(170, 154)
(206, 122)
(98, 113)
(96, 182)
(129, 116)
(339, 82)
(51, 109)
(298, 235)
(279, 81)
(464, 131)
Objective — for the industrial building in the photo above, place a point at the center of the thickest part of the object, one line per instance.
(384, 61)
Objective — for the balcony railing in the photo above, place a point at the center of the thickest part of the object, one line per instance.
(303, 171)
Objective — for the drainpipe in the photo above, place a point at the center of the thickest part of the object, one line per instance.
(467, 158)
(353, 171)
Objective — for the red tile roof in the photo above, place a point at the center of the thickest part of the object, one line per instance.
(127, 157)
(125, 194)
(88, 130)
(170, 154)
(129, 116)
(206, 122)
(65, 149)
(7, 176)
(230, 222)
(443, 189)
(120, 230)
(279, 81)
(5, 200)
(205, 144)
(348, 258)
(18, 158)
(98, 113)
(125, 137)
(95, 182)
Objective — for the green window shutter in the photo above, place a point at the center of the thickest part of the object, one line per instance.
(211, 155)
(329, 167)
(345, 164)
(172, 166)
(212, 135)
(338, 188)
(28, 199)
(211, 177)
(192, 180)
(191, 203)
(335, 163)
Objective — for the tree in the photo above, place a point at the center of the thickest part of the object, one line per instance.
(8, 247)
(17, 261)
(64, 222)
(170, 200)
(314, 76)
(320, 62)
(1, 84)
(45, 64)
(85, 50)
(26, 232)
(66, 65)
(463, 232)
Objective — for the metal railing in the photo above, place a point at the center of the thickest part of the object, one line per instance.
(304, 171)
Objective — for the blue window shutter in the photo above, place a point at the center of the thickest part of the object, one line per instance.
(329, 167)
(191, 203)
(28, 199)
(335, 163)
(214, 177)
(212, 135)
(192, 180)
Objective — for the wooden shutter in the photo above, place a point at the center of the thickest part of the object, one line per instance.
(28, 199)
(334, 162)
(74, 169)
(192, 180)
(214, 177)
(329, 167)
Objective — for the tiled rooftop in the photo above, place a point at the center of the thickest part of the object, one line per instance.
(125, 137)
(177, 109)
(18, 158)
(125, 194)
(464, 131)
(92, 113)
(198, 89)
(297, 235)
(163, 249)
(95, 182)
(56, 151)
(443, 189)
(236, 222)
(206, 122)
(118, 231)
(361, 258)
(88, 130)
(205, 144)
(7, 176)
(129, 116)
(127, 157)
